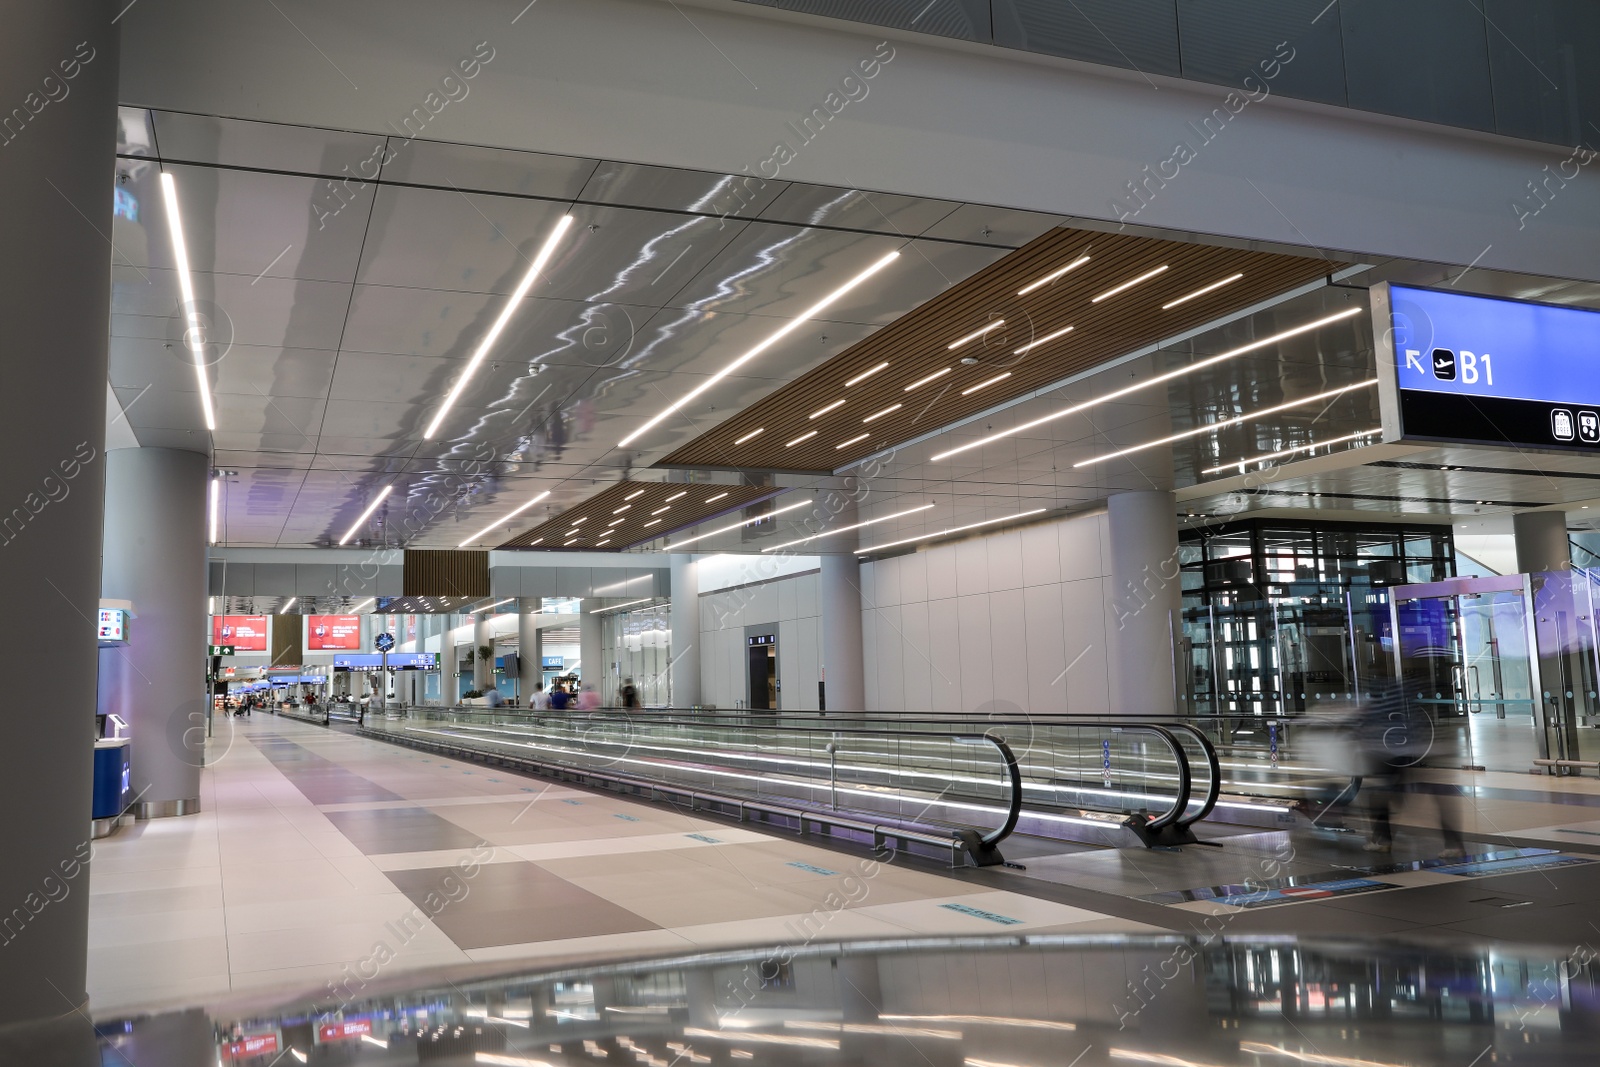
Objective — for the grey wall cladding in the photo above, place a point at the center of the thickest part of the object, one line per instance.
(1544, 60)
(1136, 34)
(1421, 59)
(966, 19)
(1225, 41)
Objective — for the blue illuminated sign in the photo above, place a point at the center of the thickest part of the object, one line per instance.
(1484, 370)
(398, 661)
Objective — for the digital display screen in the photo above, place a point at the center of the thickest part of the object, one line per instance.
(333, 632)
(113, 626)
(1485, 370)
(246, 633)
(398, 661)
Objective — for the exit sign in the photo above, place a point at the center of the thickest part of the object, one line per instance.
(221, 650)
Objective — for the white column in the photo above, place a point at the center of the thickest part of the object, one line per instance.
(155, 556)
(482, 666)
(530, 648)
(590, 655)
(1145, 595)
(685, 623)
(843, 664)
(1542, 541)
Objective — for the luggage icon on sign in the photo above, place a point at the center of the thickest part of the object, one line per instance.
(1561, 424)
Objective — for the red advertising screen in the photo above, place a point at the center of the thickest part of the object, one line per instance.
(254, 1045)
(246, 633)
(342, 1031)
(339, 632)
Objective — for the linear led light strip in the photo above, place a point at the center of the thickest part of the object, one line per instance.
(216, 494)
(1157, 380)
(1052, 276)
(624, 604)
(983, 1020)
(1202, 291)
(562, 225)
(1046, 339)
(1242, 463)
(975, 334)
(776, 336)
(193, 334)
(969, 390)
(745, 522)
(365, 515)
(357, 609)
(491, 607)
(1129, 284)
(864, 375)
(842, 529)
(949, 530)
(1225, 423)
(505, 519)
(285, 609)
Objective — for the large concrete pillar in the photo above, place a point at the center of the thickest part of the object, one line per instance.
(591, 656)
(54, 302)
(684, 618)
(452, 662)
(843, 664)
(1542, 541)
(1145, 594)
(482, 666)
(530, 648)
(155, 556)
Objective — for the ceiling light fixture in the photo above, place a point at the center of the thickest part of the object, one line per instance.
(674, 496)
(512, 303)
(975, 334)
(853, 440)
(864, 375)
(1203, 291)
(842, 529)
(285, 609)
(617, 522)
(607, 541)
(536, 541)
(216, 493)
(193, 331)
(1046, 339)
(745, 522)
(366, 514)
(619, 511)
(1052, 276)
(714, 499)
(949, 530)
(1241, 463)
(614, 607)
(1129, 284)
(885, 411)
(570, 532)
(808, 435)
(929, 378)
(507, 518)
(778, 335)
(984, 385)
(753, 434)
(497, 603)
(1157, 380)
(572, 542)
(636, 492)
(1225, 423)
(659, 510)
(357, 609)
(652, 522)
(824, 410)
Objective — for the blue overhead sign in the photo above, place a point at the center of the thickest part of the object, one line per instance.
(1484, 370)
(398, 661)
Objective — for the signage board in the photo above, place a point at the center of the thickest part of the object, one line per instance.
(326, 633)
(398, 661)
(113, 624)
(252, 1045)
(246, 633)
(220, 650)
(344, 1030)
(553, 663)
(1486, 370)
(764, 639)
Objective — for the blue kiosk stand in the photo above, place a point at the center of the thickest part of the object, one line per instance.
(112, 765)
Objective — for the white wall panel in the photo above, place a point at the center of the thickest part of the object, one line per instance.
(913, 578)
(944, 654)
(1046, 644)
(1083, 618)
(1082, 553)
(889, 578)
(917, 665)
(941, 567)
(1005, 561)
(890, 653)
(1041, 553)
(1008, 645)
(973, 654)
(972, 565)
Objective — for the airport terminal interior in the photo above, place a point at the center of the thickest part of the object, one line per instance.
(966, 533)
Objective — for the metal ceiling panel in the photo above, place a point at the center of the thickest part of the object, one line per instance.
(629, 513)
(263, 145)
(671, 189)
(827, 205)
(487, 170)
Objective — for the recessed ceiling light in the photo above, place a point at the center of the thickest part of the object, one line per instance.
(367, 513)
(808, 435)
(193, 330)
(777, 336)
(1240, 463)
(975, 334)
(573, 541)
(950, 530)
(1046, 339)
(619, 511)
(512, 303)
(636, 492)
(575, 522)
(714, 499)
(853, 440)
(864, 375)
(1129, 284)
(536, 541)
(746, 522)
(505, 519)
(1052, 276)
(885, 411)
(1203, 291)
(570, 532)
(607, 541)
(842, 529)
(750, 436)
(969, 390)
(929, 378)
(1236, 420)
(674, 496)
(1157, 380)
(285, 609)
(658, 511)
(825, 410)
(652, 522)
(617, 522)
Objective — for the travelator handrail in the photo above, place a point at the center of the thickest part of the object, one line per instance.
(1168, 825)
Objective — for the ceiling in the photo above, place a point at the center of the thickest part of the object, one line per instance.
(339, 312)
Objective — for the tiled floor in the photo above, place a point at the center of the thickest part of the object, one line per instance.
(316, 851)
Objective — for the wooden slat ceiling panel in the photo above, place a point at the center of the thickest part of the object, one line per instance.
(916, 345)
(627, 513)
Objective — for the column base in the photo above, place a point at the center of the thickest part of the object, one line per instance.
(165, 809)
